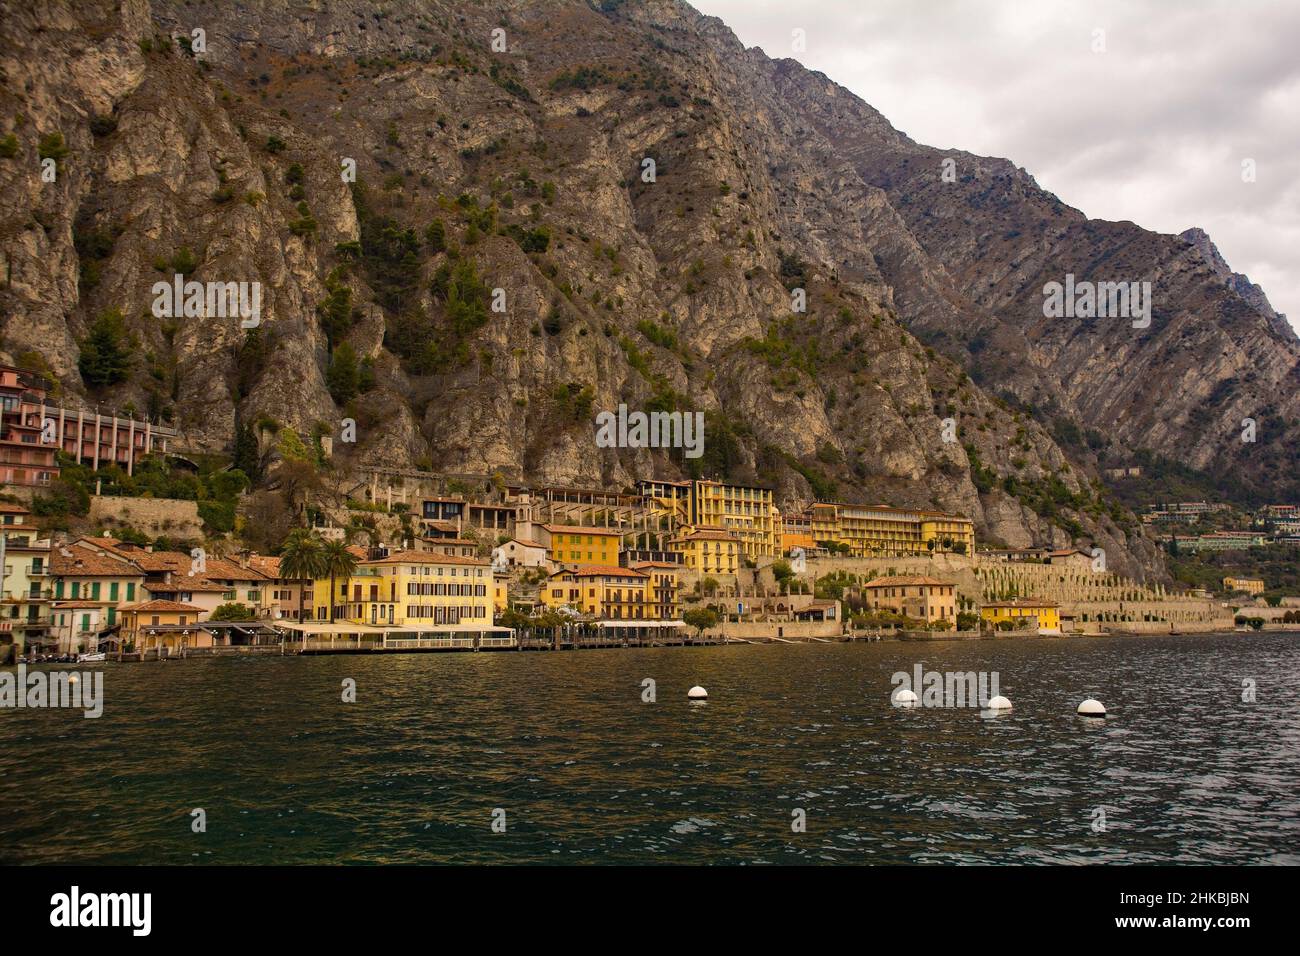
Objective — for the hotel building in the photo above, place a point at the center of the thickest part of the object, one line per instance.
(601, 591)
(925, 598)
(747, 511)
(89, 437)
(710, 551)
(417, 590)
(879, 530)
(575, 544)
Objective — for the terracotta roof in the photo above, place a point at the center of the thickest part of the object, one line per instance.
(160, 561)
(580, 529)
(62, 605)
(529, 544)
(194, 585)
(904, 580)
(267, 565)
(75, 560)
(9, 508)
(161, 606)
(441, 524)
(425, 557)
(223, 569)
(1020, 602)
(600, 570)
(656, 564)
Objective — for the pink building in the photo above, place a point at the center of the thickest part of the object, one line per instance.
(34, 427)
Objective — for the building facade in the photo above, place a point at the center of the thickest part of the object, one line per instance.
(879, 530)
(605, 592)
(1043, 617)
(663, 590)
(925, 598)
(575, 544)
(708, 551)
(33, 429)
(412, 590)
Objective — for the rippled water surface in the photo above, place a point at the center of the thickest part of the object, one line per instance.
(587, 772)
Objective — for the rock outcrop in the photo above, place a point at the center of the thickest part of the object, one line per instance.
(504, 266)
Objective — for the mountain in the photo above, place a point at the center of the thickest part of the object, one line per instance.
(518, 177)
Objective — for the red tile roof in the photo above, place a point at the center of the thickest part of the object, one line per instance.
(161, 607)
(601, 570)
(425, 557)
(74, 560)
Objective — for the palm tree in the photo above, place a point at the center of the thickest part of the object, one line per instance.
(302, 559)
(339, 562)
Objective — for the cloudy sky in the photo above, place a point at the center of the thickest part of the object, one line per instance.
(1154, 129)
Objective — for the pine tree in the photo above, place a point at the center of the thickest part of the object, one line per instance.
(106, 350)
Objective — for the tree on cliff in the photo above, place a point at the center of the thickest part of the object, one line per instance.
(106, 350)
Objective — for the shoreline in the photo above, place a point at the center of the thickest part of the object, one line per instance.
(534, 646)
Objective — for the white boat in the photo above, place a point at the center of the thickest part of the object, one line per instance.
(92, 658)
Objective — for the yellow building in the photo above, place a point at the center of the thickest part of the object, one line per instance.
(500, 592)
(872, 530)
(747, 511)
(1249, 585)
(663, 588)
(602, 591)
(574, 544)
(1043, 616)
(710, 551)
(172, 620)
(413, 590)
(796, 532)
(924, 598)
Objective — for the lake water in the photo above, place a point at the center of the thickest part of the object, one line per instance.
(585, 772)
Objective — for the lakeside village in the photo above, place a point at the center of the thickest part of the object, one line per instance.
(475, 563)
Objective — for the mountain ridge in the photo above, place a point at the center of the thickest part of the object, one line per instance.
(667, 294)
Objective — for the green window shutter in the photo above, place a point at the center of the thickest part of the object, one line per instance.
(94, 591)
(112, 616)
(130, 590)
(76, 589)
(58, 589)
(112, 591)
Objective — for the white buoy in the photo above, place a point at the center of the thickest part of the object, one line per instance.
(904, 698)
(1091, 708)
(697, 693)
(999, 703)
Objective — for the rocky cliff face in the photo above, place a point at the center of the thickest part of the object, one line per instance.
(504, 267)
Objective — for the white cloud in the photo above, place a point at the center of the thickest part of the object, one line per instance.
(1152, 130)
